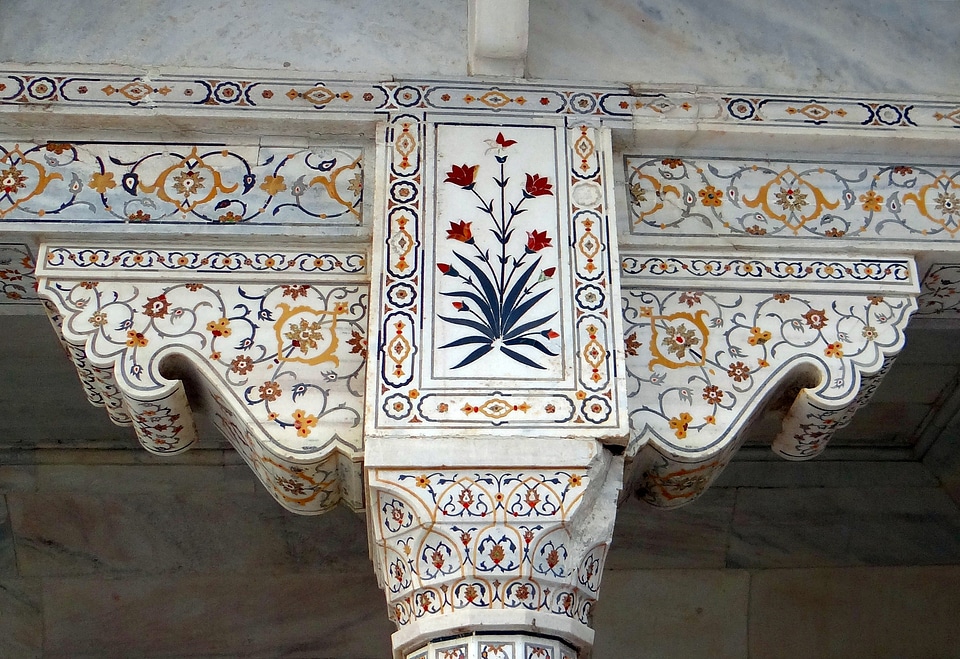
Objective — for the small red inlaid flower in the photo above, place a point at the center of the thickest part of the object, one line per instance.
(834, 350)
(758, 336)
(712, 394)
(680, 424)
(219, 327)
(303, 422)
(156, 307)
(816, 319)
(711, 196)
(241, 364)
(537, 186)
(537, 240)
(738, 371)
(136, 339)
(871, 201)
(359, 344)
(553, 557)
(270, 391)
(463, 175)
(460, 231)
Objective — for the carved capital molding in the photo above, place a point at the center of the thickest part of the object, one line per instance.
(274, 341)
(709, 341)
(459, 544)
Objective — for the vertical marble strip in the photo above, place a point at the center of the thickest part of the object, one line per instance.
(164, 425)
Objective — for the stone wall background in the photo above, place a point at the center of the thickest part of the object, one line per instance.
(846, 46)
(114, 554)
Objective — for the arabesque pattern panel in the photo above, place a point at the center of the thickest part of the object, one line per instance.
(710, 196)
(183, 184)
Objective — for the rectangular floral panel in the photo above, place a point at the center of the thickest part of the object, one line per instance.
(497, 280)
(181, 183)
(497, 250)
(671, 196)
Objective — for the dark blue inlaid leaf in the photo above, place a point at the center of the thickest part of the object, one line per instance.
(475, 355)
(513, 354)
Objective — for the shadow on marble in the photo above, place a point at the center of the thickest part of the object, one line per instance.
(8, 554)
(69, 533)
(21, 618)
(37, 378)
(855, 613)
(843, 526)
(694, 536)
(17, 478)
(776, 473)
(146, 479)
(333, 616)
(672, 614)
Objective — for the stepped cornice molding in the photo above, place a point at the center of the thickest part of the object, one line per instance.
(265, 96)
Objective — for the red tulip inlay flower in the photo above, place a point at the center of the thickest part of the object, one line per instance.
(537, 240)
(537, 186)
(460, 231)
(463, 175)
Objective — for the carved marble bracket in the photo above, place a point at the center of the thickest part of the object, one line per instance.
(711, 340)
(273, 341)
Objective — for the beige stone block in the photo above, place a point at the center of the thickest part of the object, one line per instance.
(672, 614)
(334, 616)
(72, 533)
(21, 618)
(824, 472)
(902, 612)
